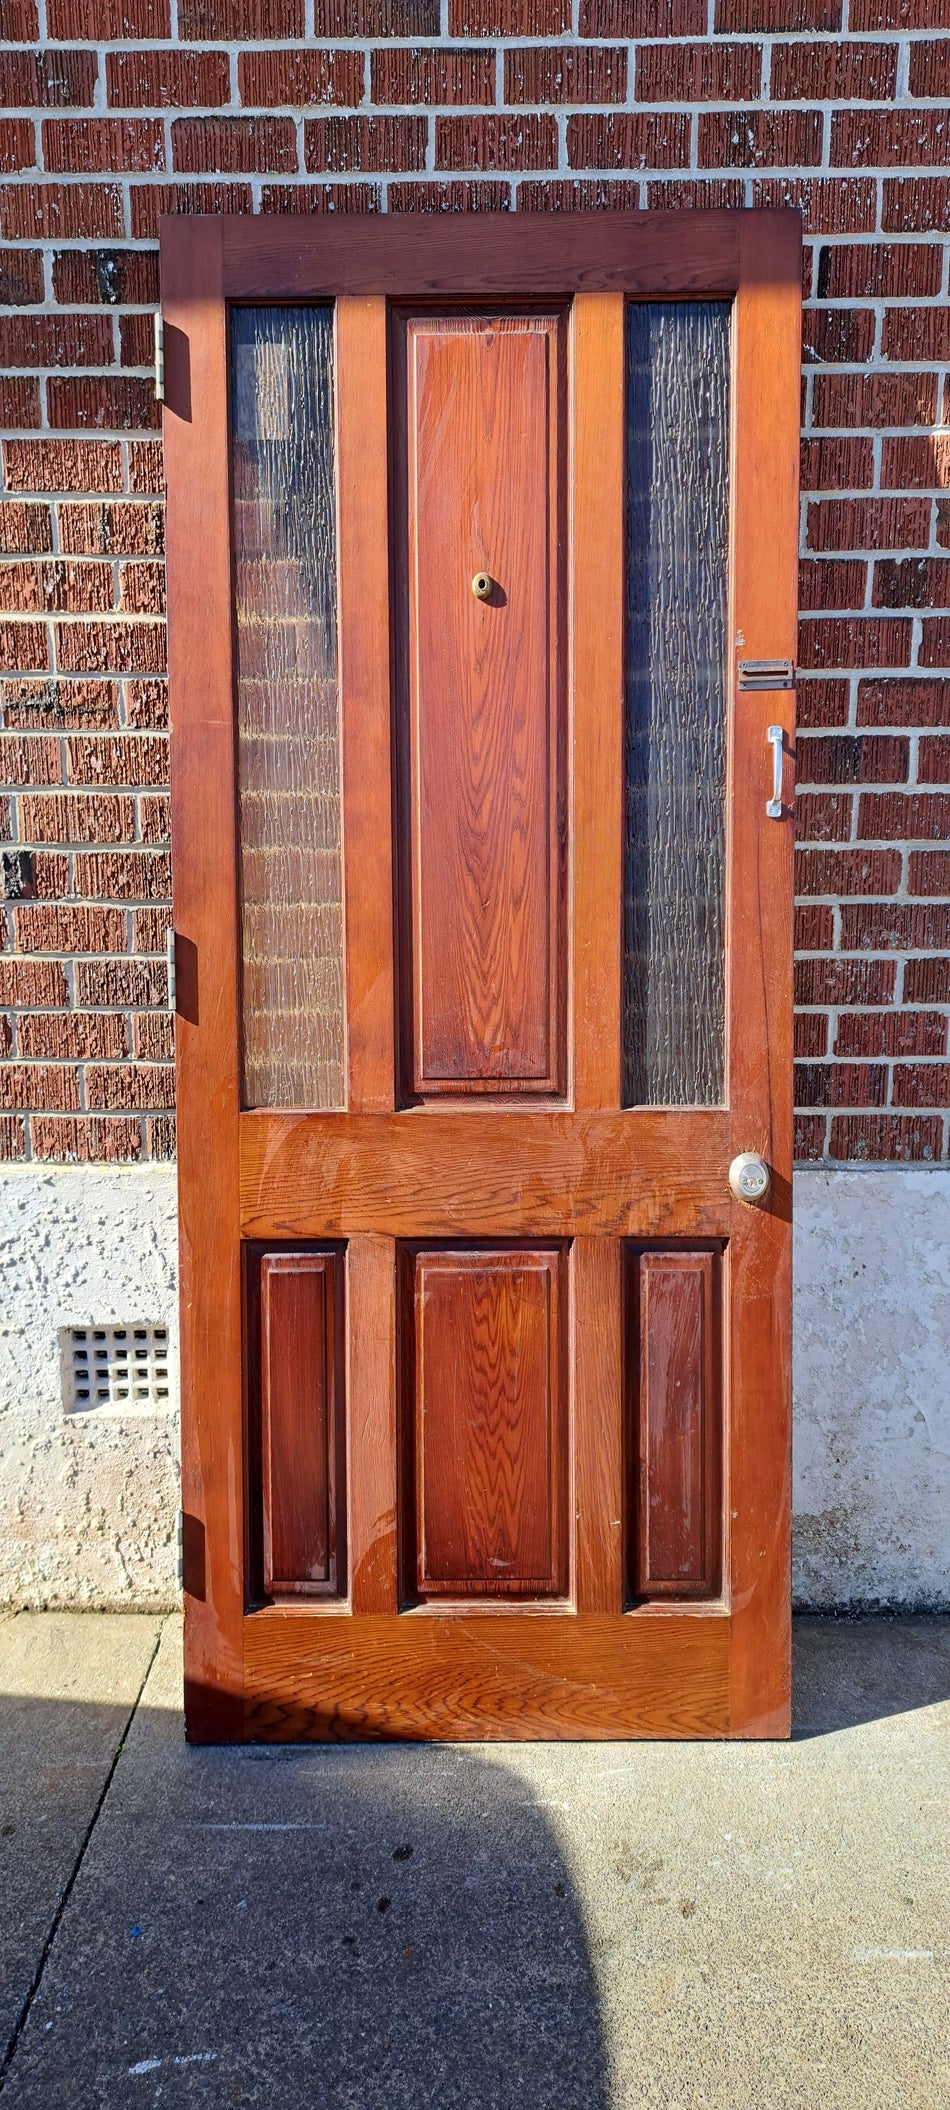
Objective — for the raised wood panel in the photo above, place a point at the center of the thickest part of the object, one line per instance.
(300, 1422)
(488, 1425)
(483, 410)
(676, 1358)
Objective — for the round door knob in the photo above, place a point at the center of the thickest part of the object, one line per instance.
(482, 586)
(749, 1177)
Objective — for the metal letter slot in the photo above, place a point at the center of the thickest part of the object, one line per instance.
(773, 806)
(766, 674)
(482, 586)
(749, 1177)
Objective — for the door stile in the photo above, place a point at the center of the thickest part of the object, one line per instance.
(765, 544)
(207, 1033)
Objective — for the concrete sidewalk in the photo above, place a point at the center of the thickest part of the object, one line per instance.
(495, 1928)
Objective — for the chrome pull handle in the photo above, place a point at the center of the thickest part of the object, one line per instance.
(773, 806)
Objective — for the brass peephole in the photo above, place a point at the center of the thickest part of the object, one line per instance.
(482, 586)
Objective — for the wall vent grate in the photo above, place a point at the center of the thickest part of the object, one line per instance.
(115, 1369)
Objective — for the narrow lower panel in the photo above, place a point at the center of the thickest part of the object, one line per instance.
(485, 1400)
(488, 1678)
(675, 1367)
(295, 1447)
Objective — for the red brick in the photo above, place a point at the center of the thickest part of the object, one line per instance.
(644, 139)
(874, 399)
(928, 875)
(110, 648)
(840, 1084)
(377, 18)
(133, 275)
(160, 80)
(884, 1138)
(240, 21)
(24, 647)
(76, 1036)
(17, 145)
(823, 816)
(838, 584)
(497, 142)
(916, 204)
(129, 875)
(822, 703)
(136, 339)
(811, 1034)
(580, 73)
(697, 194)
(52, 80)
(74, 818)
(921, 1084)
(117, 21)
(154, 1039)
(837, 981)
(148, 201)
(871, 641)
(851, 873)
(830, 334)
(21, 277)
(234, 145)
(601, 194)
(933, 767)
(102, 403)
(889, 138)
(339, 144)
(892, 1033)
(687, 73)
(837, 464)
(123, 760)
(934, 650)
(930, 69)
(927, 981)
(79, 146)
(757, 138)
(807, 72)
(56, 585)
(107, 983)
(28, 1086)
(888, 816)
(55, 340)
(868, 524)
(149, 929)
(814, 928)
(81, 1141)
(154, 819)
(301, 78)
(911, 582)
(146, 705)
(146, 468)
(509, 18)
(33, 761)
(916, 464)
(25, 529)
(449, 197)
(12, 1138)
(160, 1134)
(878, 271)
(913, 701)
(21, 22)
(59, 704)
(63, 465)
(20, 408)
(321, 197)
(899, 14)
(809, 1138)
(122, 1086)
(828, 205)
(60, 211)
(142, 589)
(33, 982)
(129, 529)
(737, 16)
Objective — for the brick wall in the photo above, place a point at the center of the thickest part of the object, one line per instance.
(120, 109)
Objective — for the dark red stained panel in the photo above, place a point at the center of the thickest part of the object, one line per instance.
(678, 1531)
(484, 477)
(488, 1424)
(299, 1422)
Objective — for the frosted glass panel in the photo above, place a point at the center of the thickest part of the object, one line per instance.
(677, 581)
(288, 706)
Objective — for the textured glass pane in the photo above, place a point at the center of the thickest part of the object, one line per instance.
(288, 706)
(677, 578)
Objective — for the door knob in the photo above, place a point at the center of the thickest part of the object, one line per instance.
(749, 1177)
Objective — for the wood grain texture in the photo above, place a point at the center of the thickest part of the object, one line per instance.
(490, 1676)
(300, 1423)
(371, 1424)
(483, 415)
(206, 920)
(675, 1357)
(488, 1424)
(598, 1404)
(483, 1173)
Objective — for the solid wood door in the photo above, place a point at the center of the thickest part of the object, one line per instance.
(482, 565)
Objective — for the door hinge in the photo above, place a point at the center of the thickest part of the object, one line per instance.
(172, 975)
(159, 356)
(180, 1549)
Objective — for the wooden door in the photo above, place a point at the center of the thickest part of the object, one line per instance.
(482, 559)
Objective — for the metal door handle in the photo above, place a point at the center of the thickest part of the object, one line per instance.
(773, 806)
(749, 1177)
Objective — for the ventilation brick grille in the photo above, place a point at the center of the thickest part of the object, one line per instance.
(115, 1369)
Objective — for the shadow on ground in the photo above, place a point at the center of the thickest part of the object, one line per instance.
(849, 1671)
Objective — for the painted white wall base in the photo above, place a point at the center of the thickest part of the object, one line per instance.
(88, 1503)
